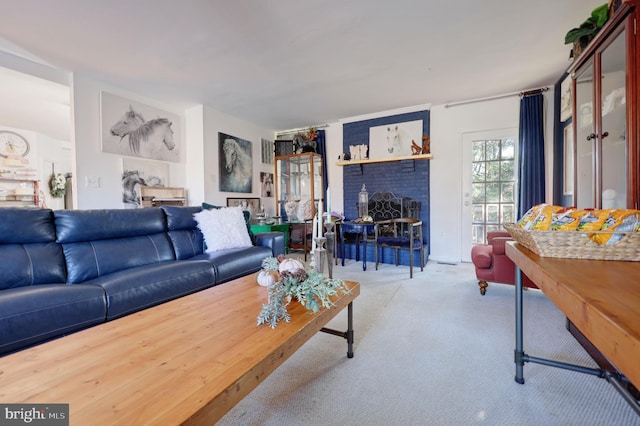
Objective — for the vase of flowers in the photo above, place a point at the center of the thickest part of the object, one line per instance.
(57, 185)
(312, 289)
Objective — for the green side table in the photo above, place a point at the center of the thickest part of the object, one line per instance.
(281, 227)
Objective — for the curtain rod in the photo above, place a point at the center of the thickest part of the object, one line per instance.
(505, 95)
(290, 131)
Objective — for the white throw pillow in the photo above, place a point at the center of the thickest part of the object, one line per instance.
(223, 228)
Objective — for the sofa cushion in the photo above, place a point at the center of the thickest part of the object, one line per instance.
(223, 228)
(29, 264)
(185, 236)
(101, 242)
(24, 226)
(28, 252)
(138, 288)
(33, 314)
(235, 263)
(247, 217)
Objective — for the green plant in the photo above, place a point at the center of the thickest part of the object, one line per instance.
(590, 26)
(311, 289)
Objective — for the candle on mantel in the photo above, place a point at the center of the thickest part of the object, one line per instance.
(320, 218)
(328, 204)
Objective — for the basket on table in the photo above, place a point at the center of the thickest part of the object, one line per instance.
(577, 244)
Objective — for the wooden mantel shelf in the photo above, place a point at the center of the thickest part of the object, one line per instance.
(386, 160)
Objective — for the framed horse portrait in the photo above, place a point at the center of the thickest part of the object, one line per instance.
(236, 164)
(137, 172)
(394, 140)
(138, 130)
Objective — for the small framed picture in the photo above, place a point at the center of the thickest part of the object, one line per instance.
(567, 187)
(251, 205)
(284, 147)
(566, 99)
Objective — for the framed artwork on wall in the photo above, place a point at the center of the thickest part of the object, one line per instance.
(252, 205)
(394, 140)
(266, 184)
(566, 99)
(267, 151)
(236, 164)
(284, 147)
(138, 130)
(137, 172)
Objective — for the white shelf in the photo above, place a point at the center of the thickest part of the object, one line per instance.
(386, 160)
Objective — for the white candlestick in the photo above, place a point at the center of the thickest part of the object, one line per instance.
(313, 235)
(320, 218)
(328, 204)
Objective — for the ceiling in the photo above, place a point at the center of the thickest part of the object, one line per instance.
(286, 64)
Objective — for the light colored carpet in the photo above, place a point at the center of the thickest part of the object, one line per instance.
(433, 351)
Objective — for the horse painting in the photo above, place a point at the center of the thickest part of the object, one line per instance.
(148, 139)
(130, 180)
(152, 139)
(235, 165)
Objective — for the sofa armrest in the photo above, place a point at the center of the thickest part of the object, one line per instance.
(274, 240)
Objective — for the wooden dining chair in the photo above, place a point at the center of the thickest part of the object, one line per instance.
(400, 234)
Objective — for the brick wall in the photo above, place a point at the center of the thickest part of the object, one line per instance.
(405, 178)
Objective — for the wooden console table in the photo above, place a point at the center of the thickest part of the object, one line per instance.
(602, 298)
(187, 361)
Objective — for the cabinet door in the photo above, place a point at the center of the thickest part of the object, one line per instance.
(613, 114)
(585, 139)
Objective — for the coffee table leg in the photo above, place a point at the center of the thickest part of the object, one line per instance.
(349, 335)
(350, 330)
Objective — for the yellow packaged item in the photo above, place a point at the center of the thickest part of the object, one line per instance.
(527, 219)
(618, 221)
(542, 222)
(593, 220)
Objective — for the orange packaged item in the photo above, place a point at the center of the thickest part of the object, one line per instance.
(566, 219)
(618, 221)
(542, 222)
(593, 220)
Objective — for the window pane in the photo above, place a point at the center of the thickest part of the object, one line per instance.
(477, 234)
(493, 213)
(493, 171)
(506, 195)
(478, 151)
(508, 149)
(478, 193)
(478, 172)
(477, 213)
(493, 150)
(507, 171)
(493, 192)
(508, 215)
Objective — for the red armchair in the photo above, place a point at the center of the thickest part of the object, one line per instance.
(492, 264)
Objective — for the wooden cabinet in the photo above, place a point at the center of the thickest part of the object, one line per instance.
(605, 115)
(155, 196)
(19, 192)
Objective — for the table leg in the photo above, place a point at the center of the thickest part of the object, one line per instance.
(350, 330)
(364, 251)
(519, 352)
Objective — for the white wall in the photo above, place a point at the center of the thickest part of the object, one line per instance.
(215, 122)
(447, 127)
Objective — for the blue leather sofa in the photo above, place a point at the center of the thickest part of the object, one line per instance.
(63, 271)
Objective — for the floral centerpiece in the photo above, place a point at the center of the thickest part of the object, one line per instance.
(57, 185)
(286, 279)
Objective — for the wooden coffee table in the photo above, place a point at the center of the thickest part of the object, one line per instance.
(187, 361)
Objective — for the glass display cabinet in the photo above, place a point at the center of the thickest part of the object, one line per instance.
(605, 116)
(299, 180)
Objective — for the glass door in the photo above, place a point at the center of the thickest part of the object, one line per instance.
(613, 141)
(585, 139)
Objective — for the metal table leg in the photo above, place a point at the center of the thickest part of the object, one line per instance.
(519, 352)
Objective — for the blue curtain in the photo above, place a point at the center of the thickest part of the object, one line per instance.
(321, 148)
(531, 153)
